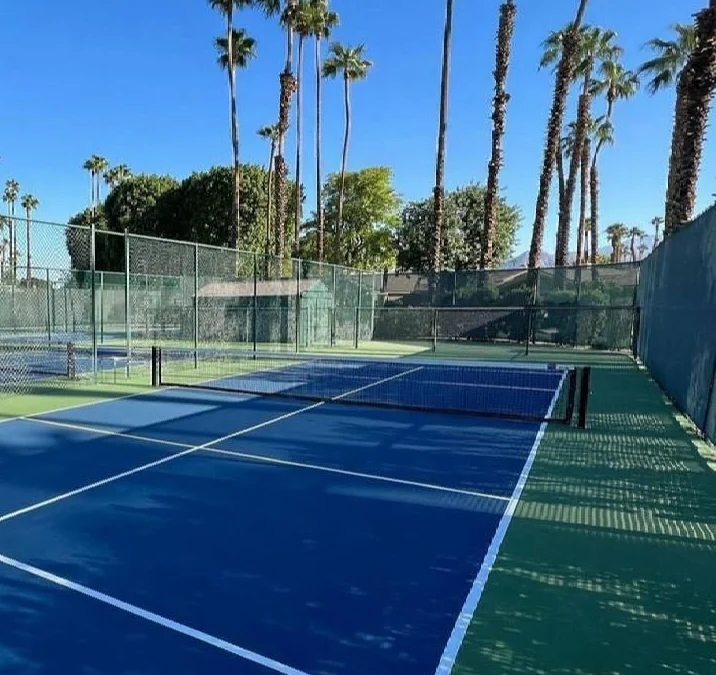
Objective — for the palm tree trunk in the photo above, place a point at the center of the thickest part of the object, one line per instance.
(677, 138)
(319, 170)
(439, 201)
(559, 164)
(702, 83)
(505, 31)
(29, 269)
(11, 237)
(299, 142)
(269, 201)
(14, 244)
(632, 248)
(344, 161)
(565, 215)
(236, 171)
(554, 128)
(594, 213)
(583, 188)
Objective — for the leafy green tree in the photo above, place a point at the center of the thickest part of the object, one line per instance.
(365, 237)
(109, 250)
(464, 216)
(132, 205)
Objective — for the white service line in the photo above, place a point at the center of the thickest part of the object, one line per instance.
(187, 451)
(269, 460)
(193, 633)
(462, 623)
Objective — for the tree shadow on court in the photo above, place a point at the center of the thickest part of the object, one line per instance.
(608, 564)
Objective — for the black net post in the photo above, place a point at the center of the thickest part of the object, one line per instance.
(156, 360)
(571, 395)
(584, 397)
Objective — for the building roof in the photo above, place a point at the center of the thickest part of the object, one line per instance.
(245, 289)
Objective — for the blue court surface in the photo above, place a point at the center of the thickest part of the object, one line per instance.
(190, 531)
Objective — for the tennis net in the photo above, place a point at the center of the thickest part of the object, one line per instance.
(529, 391)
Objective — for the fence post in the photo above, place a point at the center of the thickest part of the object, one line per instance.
(64, 298)
(358, 308)
(255, 303)
(127, 315)
(435, 330)
(146, 306)
(101, 307)
(93, 294)
(49, 306)
(333, 311)
(298, 304)
(195, 327)
(357, 328)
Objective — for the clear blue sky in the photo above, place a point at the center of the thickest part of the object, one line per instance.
(136, 81)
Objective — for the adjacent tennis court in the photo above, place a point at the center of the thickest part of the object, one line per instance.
(270, 513)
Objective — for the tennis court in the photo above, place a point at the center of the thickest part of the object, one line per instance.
(271, 514)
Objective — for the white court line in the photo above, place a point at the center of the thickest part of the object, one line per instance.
(187, 451)
(154, 618)
(462, 623)
(356, 474)
(269, 460)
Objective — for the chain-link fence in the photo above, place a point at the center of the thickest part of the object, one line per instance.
(111, 296)
(677, 336)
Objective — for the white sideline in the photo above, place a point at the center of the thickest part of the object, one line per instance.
(462, 623)
(193, 633)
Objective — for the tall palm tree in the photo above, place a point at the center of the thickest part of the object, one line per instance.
(269, 133)
(5, 223)
(554, 129)
(100, 166)
(116, 175)
(595, 45)
(88, 166)
(616, 233)
(348, 62)
(302, 27)
(322, 22)
(701, 84)
(439, 190)
(657, 222)
(634, 234)
(615, 83)
(235, 50)
(666, 69)
(29, 203)
(505, 30)
(10, 195)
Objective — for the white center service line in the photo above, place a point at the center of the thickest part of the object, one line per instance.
(193, 633)
(189, 450)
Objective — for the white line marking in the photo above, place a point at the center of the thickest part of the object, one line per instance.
(269, 460)
(154, 618)
(188, 451)
(375, 384)
(462, 623)
(355, 474)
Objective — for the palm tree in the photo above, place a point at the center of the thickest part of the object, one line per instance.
(595, 45)
(116, 175)
(29, 203)
(5, 223)
(657, 222)
(439, 190)
(616, 233)
(634, 234)
(701, 83)
(554, 129)
(322, 22)
(349, 62)
(302, 27)
(100, 166)
(667, 69)
(508, 12)
(616, 83)
(89, 167)
(234, 51)
(10, 195)
(269, 133)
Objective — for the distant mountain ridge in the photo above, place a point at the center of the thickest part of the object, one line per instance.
(547, 259)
